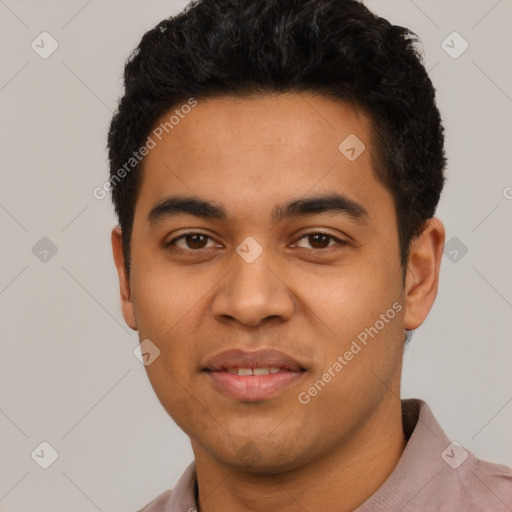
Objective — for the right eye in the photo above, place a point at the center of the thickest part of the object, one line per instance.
(190, 242)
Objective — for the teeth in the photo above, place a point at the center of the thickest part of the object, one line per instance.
(256, 371)
(261, 371)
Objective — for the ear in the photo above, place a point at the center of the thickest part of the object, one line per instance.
(421, 283)
(124, 282)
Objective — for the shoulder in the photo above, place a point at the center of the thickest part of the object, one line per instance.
(159, 504)
(441, 474)
(471, 484)
(489, 485)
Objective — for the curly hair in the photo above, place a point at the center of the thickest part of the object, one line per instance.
(337, 48)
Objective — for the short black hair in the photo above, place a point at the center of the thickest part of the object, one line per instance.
(337, 48)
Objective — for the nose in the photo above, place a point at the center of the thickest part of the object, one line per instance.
(252, 293)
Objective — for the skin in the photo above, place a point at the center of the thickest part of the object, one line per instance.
(307, 298)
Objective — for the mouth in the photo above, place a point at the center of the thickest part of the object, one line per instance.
(253, 376)
(255, 371)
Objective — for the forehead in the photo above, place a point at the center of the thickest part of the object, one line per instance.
(254, 151)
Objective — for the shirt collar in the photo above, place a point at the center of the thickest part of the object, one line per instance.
(419, 464)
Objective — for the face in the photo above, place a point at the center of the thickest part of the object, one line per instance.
(255, 232)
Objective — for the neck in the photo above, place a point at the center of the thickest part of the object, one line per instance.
(341, 480)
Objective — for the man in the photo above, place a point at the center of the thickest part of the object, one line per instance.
(275, 168)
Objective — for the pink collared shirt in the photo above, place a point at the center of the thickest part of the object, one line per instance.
(432, 475)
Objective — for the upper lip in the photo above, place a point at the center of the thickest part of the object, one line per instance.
(263, 358)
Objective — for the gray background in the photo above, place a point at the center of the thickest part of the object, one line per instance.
(68, 375)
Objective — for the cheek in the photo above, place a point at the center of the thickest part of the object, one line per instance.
(362, 306)
(176, 396)
(163, 296)
(351, 297)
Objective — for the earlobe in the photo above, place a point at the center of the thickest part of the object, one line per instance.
(422, 280)
(124, 282)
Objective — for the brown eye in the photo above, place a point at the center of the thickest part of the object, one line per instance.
(195, 241)
(319, 241)
(191, 242)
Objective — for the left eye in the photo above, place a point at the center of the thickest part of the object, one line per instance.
(320, 240)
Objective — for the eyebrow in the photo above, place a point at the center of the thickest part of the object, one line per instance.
(324, 203)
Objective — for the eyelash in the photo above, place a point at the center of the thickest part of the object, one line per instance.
(171, 243)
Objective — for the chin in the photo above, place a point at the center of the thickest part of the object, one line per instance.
(253, 458)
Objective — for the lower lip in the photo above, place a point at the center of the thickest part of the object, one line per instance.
(253, 387)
